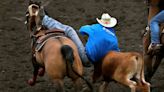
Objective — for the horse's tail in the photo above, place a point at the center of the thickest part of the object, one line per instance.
(67, 53)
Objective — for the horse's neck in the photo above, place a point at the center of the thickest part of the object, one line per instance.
(161, 4)
(154, 2)
(152, 12)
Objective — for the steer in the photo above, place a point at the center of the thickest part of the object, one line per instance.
(126, 68)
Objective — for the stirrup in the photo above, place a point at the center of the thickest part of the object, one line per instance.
(153, 48)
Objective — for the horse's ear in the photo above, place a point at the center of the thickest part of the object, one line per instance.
(39, 3)
(30, 2)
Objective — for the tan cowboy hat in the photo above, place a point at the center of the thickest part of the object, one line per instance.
(106, 20)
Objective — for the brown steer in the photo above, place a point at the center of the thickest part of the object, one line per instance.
(126, 68)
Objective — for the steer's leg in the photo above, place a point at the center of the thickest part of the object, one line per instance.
(127, 82)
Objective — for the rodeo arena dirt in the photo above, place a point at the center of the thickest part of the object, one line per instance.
(15, 44)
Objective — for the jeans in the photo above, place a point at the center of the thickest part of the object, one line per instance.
(51, 23)
(154, 26)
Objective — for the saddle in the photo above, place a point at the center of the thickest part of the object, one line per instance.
(43, 35)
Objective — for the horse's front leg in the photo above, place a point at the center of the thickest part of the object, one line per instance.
(97, 71)
(41, 71)
(103, 87)
(59, 85)
(157, 62)
(77, 84)
(35, 72)
(148, 67)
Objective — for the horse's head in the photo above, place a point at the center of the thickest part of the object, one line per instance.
(34, 16)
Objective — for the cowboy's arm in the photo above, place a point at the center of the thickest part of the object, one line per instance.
(85, 30)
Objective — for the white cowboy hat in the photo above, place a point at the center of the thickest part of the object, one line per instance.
(106, 20)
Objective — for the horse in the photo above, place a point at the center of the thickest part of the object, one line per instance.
(126, 68)
(153, 60)
(52, 52)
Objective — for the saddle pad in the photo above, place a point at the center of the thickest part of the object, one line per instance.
(40, 45)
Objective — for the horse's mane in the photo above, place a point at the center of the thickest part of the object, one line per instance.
(45, 11)
(161, 4)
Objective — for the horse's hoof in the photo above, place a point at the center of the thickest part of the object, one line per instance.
(85, 89)
(31, 82)
(41, 72)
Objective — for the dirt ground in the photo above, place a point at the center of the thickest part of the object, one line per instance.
(15, 64)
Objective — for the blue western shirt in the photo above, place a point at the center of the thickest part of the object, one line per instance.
(101, 40)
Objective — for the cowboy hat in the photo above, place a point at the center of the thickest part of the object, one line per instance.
(106, 20)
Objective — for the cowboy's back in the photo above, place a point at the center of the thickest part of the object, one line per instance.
(101, 40)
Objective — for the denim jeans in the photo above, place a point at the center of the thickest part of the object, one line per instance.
(51, 23)
(154, 26)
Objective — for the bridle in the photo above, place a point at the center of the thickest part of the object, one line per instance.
(33, 21)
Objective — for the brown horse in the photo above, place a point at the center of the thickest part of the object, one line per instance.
(126, 68)
(153, 60)
(53, 52)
